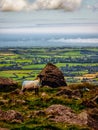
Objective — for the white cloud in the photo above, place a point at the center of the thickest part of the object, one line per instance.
(68, 5)
(18, 5)
(13, 5)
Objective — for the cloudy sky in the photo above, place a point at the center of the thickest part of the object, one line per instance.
(51, 13)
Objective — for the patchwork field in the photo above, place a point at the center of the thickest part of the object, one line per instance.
(77, 64)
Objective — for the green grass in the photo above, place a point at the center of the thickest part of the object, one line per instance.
(3, 74)
(73, 53)
(75, 64)
(16, 74)
(5, 65)
(24, 60)
(34, 66)
(34, 103)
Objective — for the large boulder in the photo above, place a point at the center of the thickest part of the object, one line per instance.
(60, 113)
(7, 84)
(52, 76)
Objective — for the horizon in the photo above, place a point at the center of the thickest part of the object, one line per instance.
(73, 16)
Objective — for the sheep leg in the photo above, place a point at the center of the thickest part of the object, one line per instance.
(36, 91)
(22, 91)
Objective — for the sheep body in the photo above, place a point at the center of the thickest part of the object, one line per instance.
(31, 85)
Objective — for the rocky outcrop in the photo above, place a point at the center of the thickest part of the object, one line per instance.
(11, 116)
(70, 93)
(52, 76)
(93, 119)
(4, 128)
(7, 84)
(60, 113)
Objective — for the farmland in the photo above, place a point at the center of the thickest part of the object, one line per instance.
(74, 107)
(77, 64)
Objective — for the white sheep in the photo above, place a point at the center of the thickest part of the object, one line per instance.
(31, 85)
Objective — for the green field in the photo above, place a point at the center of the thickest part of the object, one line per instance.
(26, 63)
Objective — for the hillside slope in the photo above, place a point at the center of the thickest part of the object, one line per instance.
(74, 107)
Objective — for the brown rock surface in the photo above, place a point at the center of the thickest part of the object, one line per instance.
(52, 76)
(93, 118)
(4, 128)
(11, 116)
(69, 93)
(60, 113)
(7, 84)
